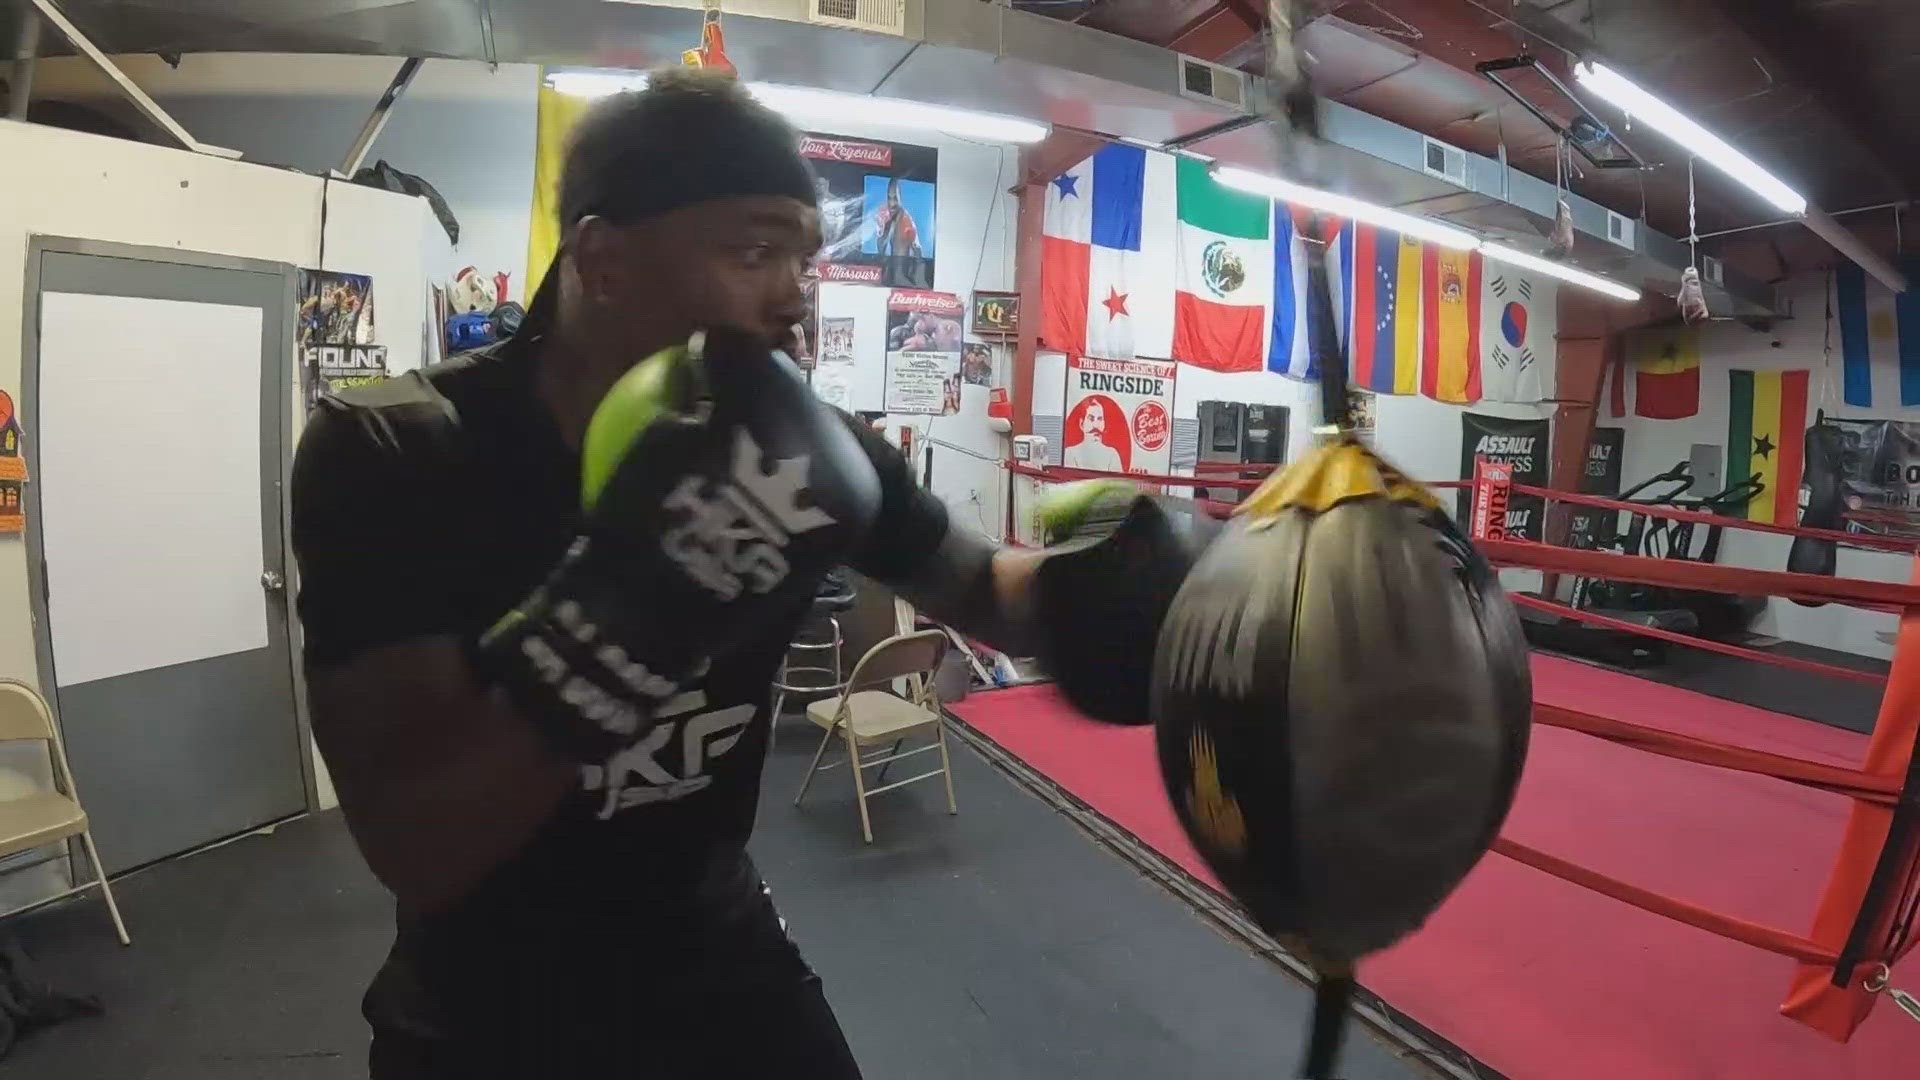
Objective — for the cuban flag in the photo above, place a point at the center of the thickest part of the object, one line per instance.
(1518, 334)
(1106, 275)
(1375, 276)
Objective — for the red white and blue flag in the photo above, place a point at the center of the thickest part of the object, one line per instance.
(1106, 263)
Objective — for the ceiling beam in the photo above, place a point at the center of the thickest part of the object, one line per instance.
(1219, 31)
(1826, 65)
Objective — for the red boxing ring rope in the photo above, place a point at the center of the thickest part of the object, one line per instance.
(1832, 1002)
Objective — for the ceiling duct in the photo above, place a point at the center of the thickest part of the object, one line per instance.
(985, 56)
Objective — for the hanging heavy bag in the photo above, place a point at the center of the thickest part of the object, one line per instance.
(1341, 700)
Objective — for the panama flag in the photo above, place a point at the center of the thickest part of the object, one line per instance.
(1519, 323)
(1376, 286)
(1450, 324)
(1106, 277)
(1223, 272)
(1878, 332)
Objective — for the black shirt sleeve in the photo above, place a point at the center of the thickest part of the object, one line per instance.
(365, 527)
(911, 523)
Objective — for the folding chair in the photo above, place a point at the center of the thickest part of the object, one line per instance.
(863, 717)
(48, 816)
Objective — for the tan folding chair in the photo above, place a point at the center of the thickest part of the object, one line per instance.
(866, 717)
(47, 817)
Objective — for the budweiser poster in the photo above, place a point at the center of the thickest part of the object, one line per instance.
(1119, 415)
(877, 202)
(923, 352)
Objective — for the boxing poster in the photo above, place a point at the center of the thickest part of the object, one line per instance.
(976, 364)
(13, 470)
(1878, 462)
(923, 352)
(335, 331)
(1521, 444)
(1590, 527)
(877, 202)
(1119, 415)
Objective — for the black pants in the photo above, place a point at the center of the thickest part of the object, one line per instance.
(751, 1008)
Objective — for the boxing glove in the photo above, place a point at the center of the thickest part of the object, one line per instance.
(1114, 560)
(715, 490)
(1823, 503)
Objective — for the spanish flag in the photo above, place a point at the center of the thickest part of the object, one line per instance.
(1666, 378)
(1766, 429)
(1450, 310)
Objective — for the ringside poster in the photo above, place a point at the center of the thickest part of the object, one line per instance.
(877, 204)
(1119, 415)
(1519, 443)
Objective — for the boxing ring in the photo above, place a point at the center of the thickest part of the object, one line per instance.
(1678, 871)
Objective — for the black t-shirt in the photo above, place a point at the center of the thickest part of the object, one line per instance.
(432, 503)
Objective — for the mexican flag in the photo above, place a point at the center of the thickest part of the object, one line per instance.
(1223, 273)
(1766, 432)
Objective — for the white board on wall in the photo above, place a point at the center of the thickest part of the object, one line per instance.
(149, 435)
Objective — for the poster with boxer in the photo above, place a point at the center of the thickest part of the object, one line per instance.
(877, 202)
(1590, 527)
(13, 470)
(1877, 466)
(334, 328)
(1119, 415)
(1521, 444)
(923, 352)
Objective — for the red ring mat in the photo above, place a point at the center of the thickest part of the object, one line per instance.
(1539, 978)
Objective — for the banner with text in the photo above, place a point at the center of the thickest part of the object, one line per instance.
(1521, 444)
(1879, 466)
(923, 352)
(1590, 527)
(876, 209)
(1119, 415)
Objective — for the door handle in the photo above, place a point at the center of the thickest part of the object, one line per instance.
(273, 581)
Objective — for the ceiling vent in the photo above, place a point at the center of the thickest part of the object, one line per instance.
(1211, 82)
(1713, 271)
(1449, 163)
(878, 16)
(1620, 230)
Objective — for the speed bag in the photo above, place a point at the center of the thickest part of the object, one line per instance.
(1341, 701)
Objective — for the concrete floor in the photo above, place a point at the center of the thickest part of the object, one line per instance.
(1000, 943)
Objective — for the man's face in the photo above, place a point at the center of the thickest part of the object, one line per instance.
(735, 262)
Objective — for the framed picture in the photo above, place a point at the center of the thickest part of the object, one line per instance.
(996, 314)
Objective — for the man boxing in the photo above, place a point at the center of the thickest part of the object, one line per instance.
(545, 589)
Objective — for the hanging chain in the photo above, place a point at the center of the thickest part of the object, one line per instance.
(1693, 216)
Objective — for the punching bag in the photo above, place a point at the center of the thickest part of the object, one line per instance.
(1823, 502)
(1341, 700)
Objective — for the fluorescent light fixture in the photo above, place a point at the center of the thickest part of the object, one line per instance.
(1605, 286)
(1696, 140)
(1287, 191)
(810, 106)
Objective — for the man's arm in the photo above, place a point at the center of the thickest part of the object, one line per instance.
(439, 779)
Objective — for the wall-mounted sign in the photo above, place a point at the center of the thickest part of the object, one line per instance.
(996, 314)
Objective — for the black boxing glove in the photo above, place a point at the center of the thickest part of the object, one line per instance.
(1115, 559)
(704, 514)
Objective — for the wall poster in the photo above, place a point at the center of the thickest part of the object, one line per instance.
(1521, 444)
(923, 352)
(877, 202)
(1591, 527)
(13, 470)
(1119, 415)
(335, 331)
(1877, 463)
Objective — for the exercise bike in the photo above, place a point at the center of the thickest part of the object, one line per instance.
(1683, 611)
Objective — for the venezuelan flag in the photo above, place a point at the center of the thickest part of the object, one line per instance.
(1766, 430)
(1379, 276)
(1450, 315)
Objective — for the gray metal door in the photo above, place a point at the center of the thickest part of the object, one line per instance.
(156, 405)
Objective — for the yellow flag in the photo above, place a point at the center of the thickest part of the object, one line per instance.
(557, 114)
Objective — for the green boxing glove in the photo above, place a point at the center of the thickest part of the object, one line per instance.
(1114, 559)
(705, 513)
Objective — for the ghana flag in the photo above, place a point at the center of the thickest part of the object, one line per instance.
(1766, 428)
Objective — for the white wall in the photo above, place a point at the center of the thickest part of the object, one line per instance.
(973, 249)
(465, 128)
(64, 184)
(1652, 446)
